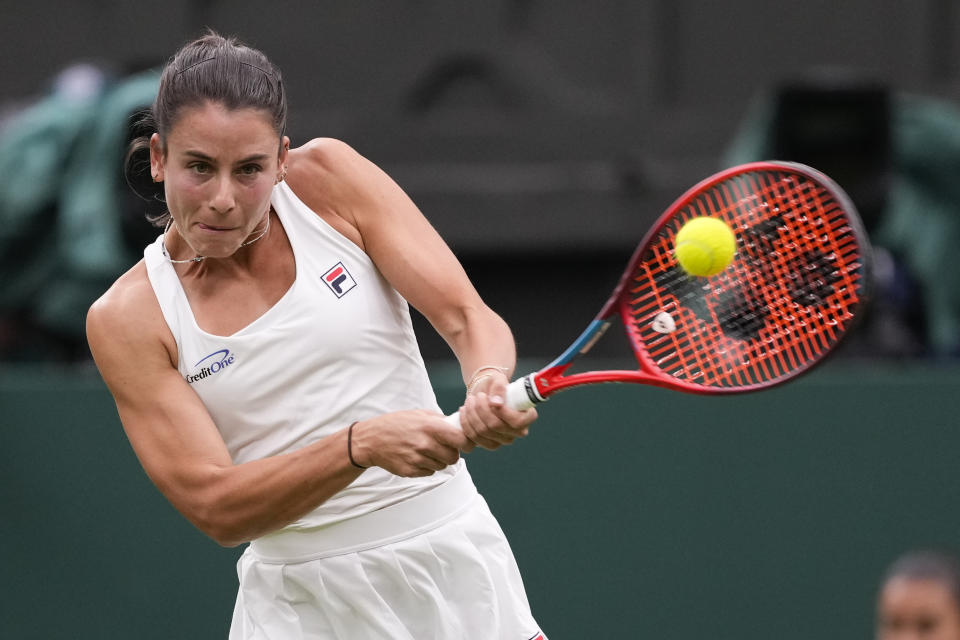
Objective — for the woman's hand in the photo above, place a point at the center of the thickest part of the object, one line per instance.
(484, 417)
(411, 443)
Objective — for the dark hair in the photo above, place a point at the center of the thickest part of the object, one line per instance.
(939, 566)
(214, 69)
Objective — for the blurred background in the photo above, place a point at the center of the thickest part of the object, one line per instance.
(541, 139)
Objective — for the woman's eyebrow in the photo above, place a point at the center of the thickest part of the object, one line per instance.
(199, 155)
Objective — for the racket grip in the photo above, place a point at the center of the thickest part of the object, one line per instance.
(517, 398)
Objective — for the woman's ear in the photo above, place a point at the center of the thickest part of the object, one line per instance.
(156, 157)
(282, 159)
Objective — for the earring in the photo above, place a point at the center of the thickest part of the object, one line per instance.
(283, 174)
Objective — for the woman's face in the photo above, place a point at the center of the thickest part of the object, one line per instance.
(917, 609)
(218, 169)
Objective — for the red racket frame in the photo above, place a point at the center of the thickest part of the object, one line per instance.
(855, 265)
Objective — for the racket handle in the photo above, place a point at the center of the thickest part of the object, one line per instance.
(518, 397)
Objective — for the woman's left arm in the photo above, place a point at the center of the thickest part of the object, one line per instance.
(365, 204)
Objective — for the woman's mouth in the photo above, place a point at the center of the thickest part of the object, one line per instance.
(214, 228)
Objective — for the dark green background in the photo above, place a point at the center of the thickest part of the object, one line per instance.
(633, 512)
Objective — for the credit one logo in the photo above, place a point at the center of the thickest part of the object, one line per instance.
(214, 363)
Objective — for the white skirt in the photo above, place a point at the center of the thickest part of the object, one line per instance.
(435, 567)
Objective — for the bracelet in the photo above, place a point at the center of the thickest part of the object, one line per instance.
(350, 447)
(473, 376)
(475, 381)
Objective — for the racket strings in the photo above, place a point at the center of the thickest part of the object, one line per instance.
(786, 299)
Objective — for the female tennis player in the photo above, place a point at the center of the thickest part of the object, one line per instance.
(264, 367)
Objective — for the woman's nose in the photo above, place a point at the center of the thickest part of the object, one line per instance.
(223, 200)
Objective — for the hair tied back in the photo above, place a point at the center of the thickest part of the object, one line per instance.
(195, 64)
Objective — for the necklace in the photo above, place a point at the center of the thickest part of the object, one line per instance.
(198, 258)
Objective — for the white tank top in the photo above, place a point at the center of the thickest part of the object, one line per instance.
(337, 347)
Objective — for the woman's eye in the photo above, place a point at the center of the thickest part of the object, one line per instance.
(249, 170)
(199, 168)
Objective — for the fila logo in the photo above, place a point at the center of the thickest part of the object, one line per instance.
(339, 280)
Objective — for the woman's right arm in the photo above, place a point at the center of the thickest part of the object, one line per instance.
(182, 451)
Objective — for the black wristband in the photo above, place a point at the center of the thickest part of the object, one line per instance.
(350, 447)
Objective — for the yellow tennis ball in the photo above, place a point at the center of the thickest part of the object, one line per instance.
(705, 246)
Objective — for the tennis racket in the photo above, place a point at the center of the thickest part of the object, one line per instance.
(798, 282)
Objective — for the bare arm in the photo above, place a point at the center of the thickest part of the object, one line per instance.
(375, 212)
(182, 451)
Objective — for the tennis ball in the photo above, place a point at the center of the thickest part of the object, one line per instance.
(705, 246)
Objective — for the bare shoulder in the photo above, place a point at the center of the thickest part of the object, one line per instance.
(128, 317)
(124, 301)
(324, 155)
(336, 182)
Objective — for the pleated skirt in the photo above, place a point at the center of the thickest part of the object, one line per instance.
(435, 567)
